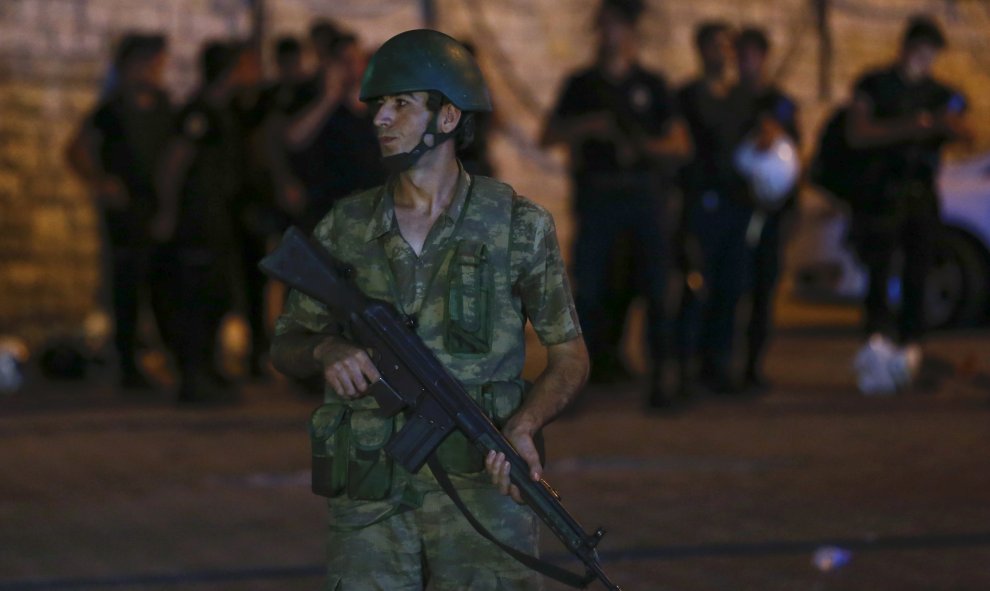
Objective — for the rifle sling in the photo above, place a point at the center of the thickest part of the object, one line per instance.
(543, 567)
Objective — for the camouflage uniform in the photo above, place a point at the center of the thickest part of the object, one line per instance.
(490, 263)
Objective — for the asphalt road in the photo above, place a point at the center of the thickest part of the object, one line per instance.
(104, 491)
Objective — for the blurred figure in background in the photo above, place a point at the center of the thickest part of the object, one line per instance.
(201, 174)
(716, 211)
(255, 215)
(290, 194)
(329, 136)
(289, 70)
(620, 124)
(115, 153)
(475, 157)
(901, 117)
(774, 117)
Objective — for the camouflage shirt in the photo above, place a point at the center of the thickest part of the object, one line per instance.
(490, 262)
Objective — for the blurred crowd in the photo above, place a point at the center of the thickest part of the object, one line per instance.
(193, 196)
(680, 195)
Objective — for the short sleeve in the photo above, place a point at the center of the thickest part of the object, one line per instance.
(573, 100)
(541, 278)
(866, 88)
(952, 100)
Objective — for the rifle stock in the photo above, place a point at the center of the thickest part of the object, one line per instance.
(415, 382)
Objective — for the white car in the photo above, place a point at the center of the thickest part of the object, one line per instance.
(824, 268)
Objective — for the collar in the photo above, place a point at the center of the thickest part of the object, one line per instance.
(383, 216)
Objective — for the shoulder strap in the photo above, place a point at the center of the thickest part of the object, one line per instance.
(543, 567)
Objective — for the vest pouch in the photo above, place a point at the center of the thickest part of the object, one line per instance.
(370, 471)
(499, 401)
(469, 316)
(329, 437)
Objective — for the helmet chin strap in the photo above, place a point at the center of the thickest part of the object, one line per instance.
(397, 163)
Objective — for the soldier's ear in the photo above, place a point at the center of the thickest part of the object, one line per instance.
(450, 116)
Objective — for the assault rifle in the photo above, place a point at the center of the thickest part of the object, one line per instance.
(435, 404)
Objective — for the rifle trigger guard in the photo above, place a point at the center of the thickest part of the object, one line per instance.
(389, 401)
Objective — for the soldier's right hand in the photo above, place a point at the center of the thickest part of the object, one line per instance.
(347, 368)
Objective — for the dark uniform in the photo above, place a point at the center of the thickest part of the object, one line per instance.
(255, 216)
(897, 207)
(132, 140)
(199, 261)
(341, 159)
(476, 157)
(618, 195)
(716, 213)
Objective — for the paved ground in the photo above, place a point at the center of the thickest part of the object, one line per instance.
(105, 492)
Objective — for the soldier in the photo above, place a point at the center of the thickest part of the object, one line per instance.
(471, 261)
(619, 121)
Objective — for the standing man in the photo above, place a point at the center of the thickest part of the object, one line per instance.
(115, 153)
(716, 210)
(328, 135)
(775, 116)
(903, 117)
(472, 262)
(200, 178)
(620, 124)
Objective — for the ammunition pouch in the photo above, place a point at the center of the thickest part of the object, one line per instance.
(499, 401)
(348, 456)
(348, 452)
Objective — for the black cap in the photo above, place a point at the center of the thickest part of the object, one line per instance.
(753, 37)
(628, 10)
(923, 30)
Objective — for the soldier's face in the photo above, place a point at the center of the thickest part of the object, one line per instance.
(400, 121)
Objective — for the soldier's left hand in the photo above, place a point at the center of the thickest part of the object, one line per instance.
(498, 467)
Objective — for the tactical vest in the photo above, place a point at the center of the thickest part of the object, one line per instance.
(469, 318)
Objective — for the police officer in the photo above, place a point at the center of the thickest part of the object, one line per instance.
(471, 262)
(619, 121)
(902, 116)
(116, 152)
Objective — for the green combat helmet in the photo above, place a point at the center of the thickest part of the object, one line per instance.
(425, 60)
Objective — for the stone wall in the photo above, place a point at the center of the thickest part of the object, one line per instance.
(53, 56)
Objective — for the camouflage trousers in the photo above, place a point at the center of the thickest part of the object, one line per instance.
(432, 548)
